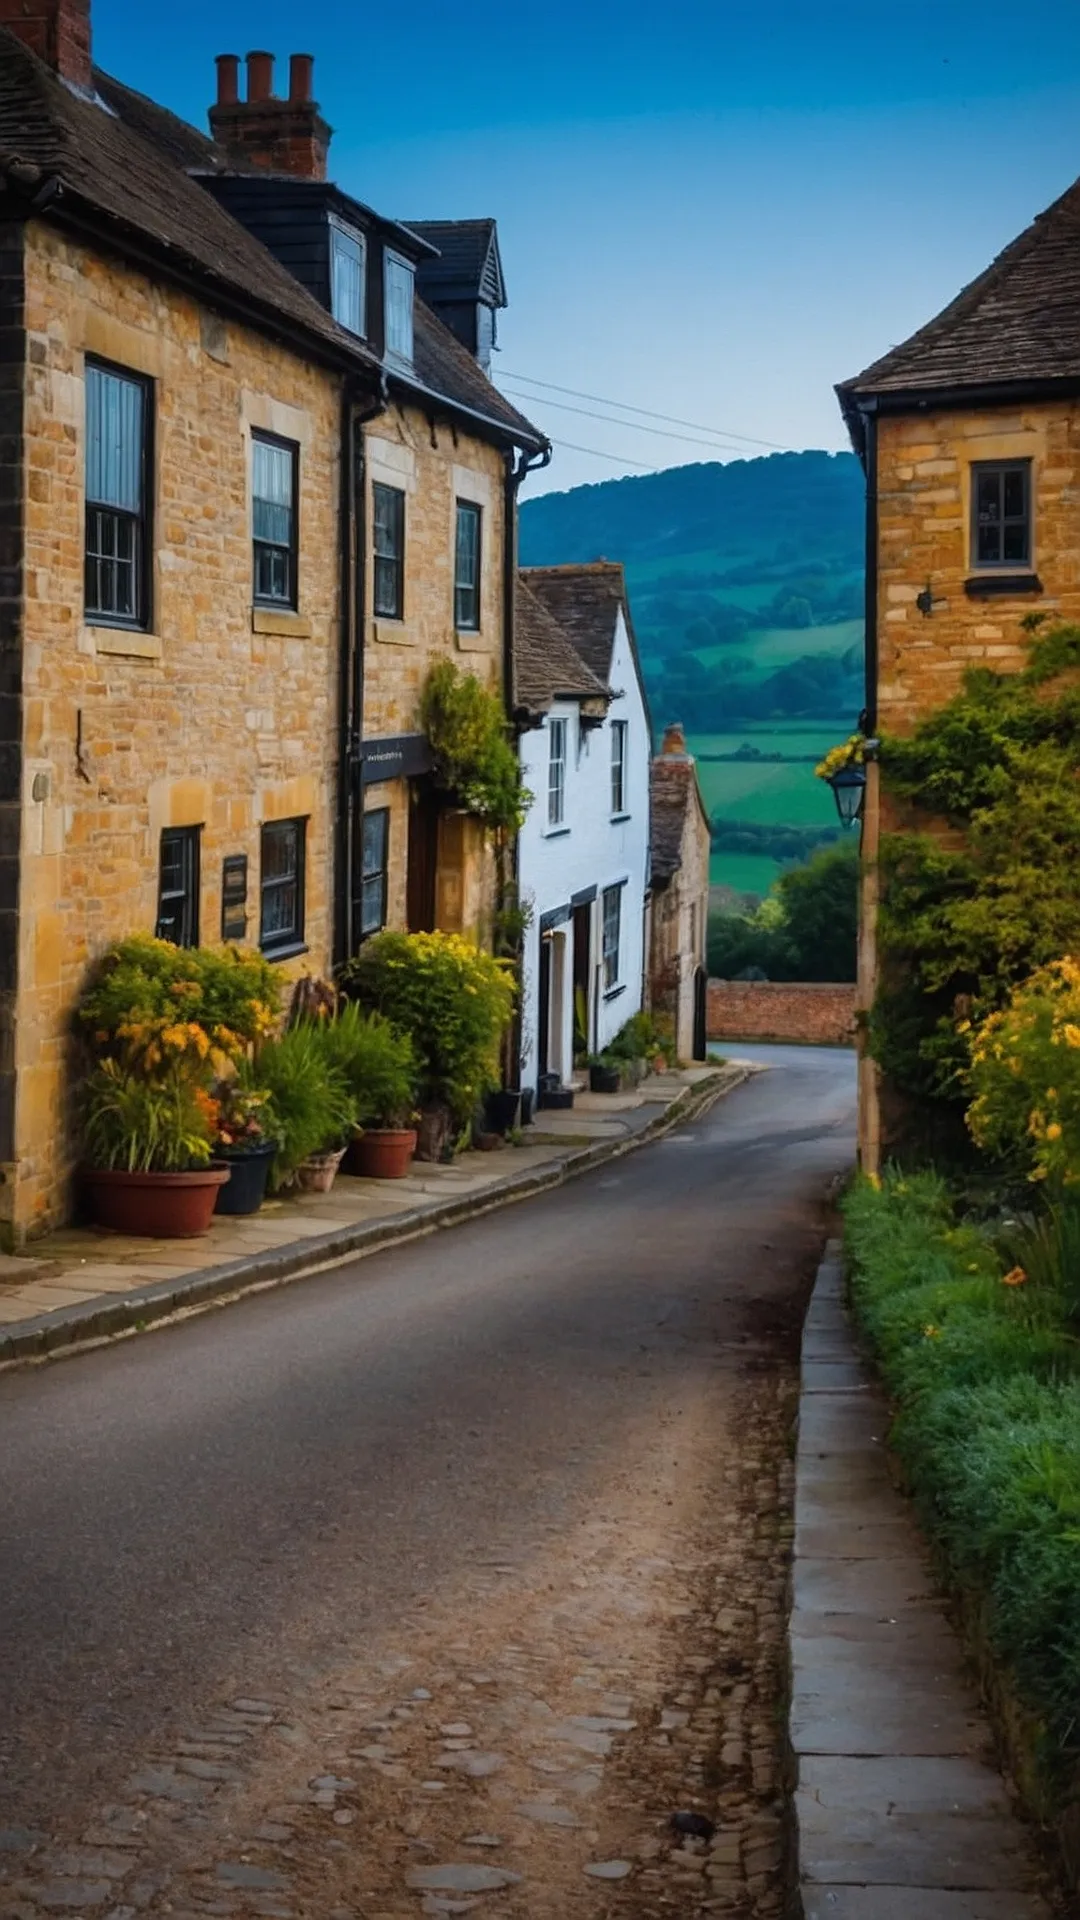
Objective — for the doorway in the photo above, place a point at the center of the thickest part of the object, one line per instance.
(701, 1012)
(423, 857)
(583, 1016)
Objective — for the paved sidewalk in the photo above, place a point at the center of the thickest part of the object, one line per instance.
(85, 1283)
(900, 1810)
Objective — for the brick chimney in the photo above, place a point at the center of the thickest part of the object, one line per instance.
(673, 745)
(284, 136)
(58, 31)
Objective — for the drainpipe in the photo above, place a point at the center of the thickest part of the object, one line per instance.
(869, 1119)
(871, 641)
(356, 411)
(516, 469)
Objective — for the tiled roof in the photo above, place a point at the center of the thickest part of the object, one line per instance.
(585, 601)
(673, 789)
(546, 665)
(445, 367)
(1019, 321)
(468, 258)
(124, 160)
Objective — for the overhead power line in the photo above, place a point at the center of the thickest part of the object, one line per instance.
(634, 426)
(647, 413)
(598, 454)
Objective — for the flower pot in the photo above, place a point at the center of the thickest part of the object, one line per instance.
(318, 1172)
(502, 1110)
(528, 1104)
(250, 1170)
(604, 1079)
(383, 1153)
(156, 1206)
(659, 1064)
(556, 1099)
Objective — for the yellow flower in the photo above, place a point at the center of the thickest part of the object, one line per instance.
(1072, 1035)
(1016, 1277)
(931, 1333)
(1053, 1131)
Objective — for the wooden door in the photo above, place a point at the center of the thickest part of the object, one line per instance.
(423, 857)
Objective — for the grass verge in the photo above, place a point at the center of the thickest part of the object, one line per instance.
(984, 1369)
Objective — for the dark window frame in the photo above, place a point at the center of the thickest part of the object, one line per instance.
(280, 942)
(620, 732)
(1001, 562)
(188, 842)
(374, 875)
(142, 522)
(611, 957)
(288, 602)
(467, 612)
(389, 566)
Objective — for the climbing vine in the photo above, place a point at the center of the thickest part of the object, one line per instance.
(968, 913)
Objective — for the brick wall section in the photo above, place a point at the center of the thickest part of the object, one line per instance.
(221, 716)
(765, 1010)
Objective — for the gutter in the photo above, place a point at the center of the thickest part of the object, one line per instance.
(457, 408)
(352, 560)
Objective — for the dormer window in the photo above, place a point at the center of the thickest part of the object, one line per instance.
(399, 276)
(347, 262)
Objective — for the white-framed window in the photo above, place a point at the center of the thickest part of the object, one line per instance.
(556, 772)
(468, 518)
(619, 730)
(398, 276)
(348, 260)
(612, 907)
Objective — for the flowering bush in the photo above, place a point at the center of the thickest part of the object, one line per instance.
(850, 753)
(246, 1118)
(133, 1123)
(144, 992)
(474, 759)
(1025, 1076)
(454, 1002)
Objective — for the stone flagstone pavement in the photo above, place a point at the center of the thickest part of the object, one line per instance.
(901, 1812)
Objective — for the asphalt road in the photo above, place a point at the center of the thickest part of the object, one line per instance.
(227, 1502)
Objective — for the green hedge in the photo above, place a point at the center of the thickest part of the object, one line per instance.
(986, 1378)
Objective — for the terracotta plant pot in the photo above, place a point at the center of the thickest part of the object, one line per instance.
(318, 1172)
(383, 1153)
(156, 1206)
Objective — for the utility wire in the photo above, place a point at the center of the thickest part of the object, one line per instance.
(620, 460)
(633, 426)
(602, 400)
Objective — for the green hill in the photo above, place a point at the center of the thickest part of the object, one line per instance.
(747, 582)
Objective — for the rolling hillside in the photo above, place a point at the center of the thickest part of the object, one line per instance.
(746, 581)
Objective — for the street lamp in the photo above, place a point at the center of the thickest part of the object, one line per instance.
(849, 788)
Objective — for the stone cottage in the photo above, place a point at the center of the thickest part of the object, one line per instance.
(679, 880)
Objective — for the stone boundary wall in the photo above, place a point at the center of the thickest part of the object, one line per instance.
(800, 1011)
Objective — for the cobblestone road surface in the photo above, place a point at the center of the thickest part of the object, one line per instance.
(435, 1585)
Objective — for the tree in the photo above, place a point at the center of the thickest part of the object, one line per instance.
(820, 903)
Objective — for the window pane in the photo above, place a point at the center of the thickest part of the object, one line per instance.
(347, 279)
(1015, 542)
(1002, 515)
(1014, 493)
(279, 850)
(372, 912)
(399, 306)
(282, 883)
(467, 566)
(376, 831)
(114, 440)
(178, 887)
(988, 497)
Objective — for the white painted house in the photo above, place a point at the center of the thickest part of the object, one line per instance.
(583, 852)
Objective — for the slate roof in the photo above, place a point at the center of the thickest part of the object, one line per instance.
(130, 171)
(1018, 322)
(673, 791)
(546, 665)
(135, 163)
(468, 262)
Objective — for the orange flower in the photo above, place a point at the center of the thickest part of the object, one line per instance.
(1016, 1278)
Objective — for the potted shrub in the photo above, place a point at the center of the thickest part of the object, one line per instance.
(247, 1141)
(455, 1003)
(148, 1165)
(604, 1074)
(378, 1065)
(314, 1108)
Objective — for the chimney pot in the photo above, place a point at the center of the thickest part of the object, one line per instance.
(260, 76)
(674, 741)
(228, 79)
(301, 66)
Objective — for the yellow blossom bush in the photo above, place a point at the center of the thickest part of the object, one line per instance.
(850, 753)
(1025, 1076)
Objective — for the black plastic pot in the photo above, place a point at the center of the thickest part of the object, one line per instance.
(528, 1102)
(503, 1110)
(555, 1098)
(250, 1171)
(604, 1079)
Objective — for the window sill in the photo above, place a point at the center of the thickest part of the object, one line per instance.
(555, 833)
(280, 620)
(284, 953)
(470, 640)
(124, 642)
(393, 633)
(614, 992)
(617, 818)
(983, 585)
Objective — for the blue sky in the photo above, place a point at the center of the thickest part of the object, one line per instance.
(712, 211)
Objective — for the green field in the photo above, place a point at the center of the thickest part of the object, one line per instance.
(773, 793)
(774, 647)
(745, 872)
